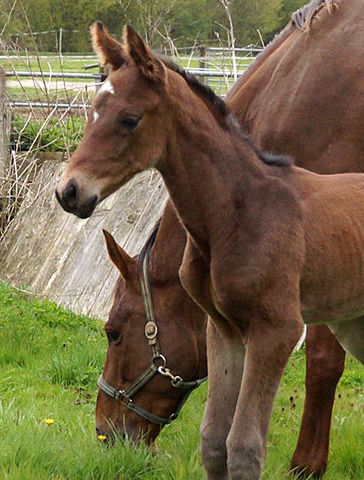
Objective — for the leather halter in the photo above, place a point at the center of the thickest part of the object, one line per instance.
(158, 363)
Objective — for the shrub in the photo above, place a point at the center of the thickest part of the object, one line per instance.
(53, 137)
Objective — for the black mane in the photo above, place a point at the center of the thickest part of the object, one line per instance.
(149, 243)
(198, 87)
(220, 106)
(269, 158)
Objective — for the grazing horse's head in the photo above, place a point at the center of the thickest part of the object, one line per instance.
(127, 125)
(130, 354)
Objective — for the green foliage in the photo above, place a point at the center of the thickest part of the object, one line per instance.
(187, 21)
(194, 21)
(255, 14)
(51, 138)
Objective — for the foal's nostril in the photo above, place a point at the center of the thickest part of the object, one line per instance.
(70, 194)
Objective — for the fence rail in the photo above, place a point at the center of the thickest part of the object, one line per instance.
(97, 77)
(93, 76)
(212, 65)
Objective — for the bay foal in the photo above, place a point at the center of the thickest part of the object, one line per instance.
(302, 60)
(265, 242)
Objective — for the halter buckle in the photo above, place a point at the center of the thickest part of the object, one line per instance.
(151, 330)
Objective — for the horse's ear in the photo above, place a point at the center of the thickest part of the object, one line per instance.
(149, 65)
(109, 51)
(118, 256)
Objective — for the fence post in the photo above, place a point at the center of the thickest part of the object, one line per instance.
(60, 45)
(4, 132)
(202, 49)
(5, 119)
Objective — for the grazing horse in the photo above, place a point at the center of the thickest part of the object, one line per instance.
(331, 124)
(139, 343)
(268, 246)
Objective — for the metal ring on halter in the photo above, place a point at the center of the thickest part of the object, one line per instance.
(160, 357)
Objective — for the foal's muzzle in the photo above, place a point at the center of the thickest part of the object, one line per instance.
(69, 199)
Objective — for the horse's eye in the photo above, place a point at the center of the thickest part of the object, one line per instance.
(130, 123)
(112, 335)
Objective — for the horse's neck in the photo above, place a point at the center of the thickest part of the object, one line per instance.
(247, 98)
(259, 61)
(208, 173)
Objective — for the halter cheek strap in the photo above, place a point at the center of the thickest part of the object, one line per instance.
(151, 331)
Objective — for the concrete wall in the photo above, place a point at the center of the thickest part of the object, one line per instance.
(55, 254)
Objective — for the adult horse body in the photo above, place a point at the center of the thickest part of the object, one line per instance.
(254, 243)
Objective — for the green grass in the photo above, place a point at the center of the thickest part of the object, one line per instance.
(47, 65)
(49, 362)
(54, 64)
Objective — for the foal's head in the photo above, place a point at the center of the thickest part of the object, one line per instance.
(129, 354)
(128, 124)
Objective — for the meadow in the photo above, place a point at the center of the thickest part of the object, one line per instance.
(50, 360)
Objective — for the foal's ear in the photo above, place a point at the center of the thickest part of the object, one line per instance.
(109, 51)
(117, 255)
(149, 65)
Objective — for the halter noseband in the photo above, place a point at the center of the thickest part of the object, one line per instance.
(151, 331)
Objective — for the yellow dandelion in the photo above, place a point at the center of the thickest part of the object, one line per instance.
(49, 421)
(102, 438)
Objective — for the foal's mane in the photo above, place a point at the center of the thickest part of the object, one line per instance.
(199, 88)
(221, 108)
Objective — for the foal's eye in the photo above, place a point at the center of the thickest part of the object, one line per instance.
(130, 123)
(112, 335)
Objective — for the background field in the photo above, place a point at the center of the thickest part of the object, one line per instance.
(49, 362)
(52, 89)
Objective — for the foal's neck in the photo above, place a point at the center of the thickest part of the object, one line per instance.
(210, 171)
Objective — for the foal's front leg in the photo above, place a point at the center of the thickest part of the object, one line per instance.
(225, 351)
(269, 344)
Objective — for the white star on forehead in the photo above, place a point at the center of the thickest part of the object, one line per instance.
(106, 87)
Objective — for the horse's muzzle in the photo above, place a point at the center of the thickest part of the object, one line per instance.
(69, 199)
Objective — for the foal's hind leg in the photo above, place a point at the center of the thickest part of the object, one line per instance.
(325, 360)
(225, 366)
(268, 347)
